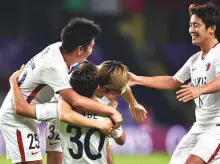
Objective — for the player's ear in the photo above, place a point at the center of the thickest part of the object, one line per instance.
(80, 50)
(212, 29)
(101, 89)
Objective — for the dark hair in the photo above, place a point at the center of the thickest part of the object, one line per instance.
(79, 32)
(209, 13)
(84, 80)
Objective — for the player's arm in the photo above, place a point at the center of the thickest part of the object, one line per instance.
(109, 151)
(53, 76)
(119, 136)
(187, 93)
(21, 107)
(49, 111)
(68, 115)
(83, 103)
(157, 82)
(163, 82)
(46, 111)
(40, 112)
(211, 87)
(138, 112)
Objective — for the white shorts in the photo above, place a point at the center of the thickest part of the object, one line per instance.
(53, 142)
(22, 144)
(204, 145)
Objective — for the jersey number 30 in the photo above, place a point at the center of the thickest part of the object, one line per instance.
(86, 143)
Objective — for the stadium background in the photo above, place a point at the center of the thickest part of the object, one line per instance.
(149, 36)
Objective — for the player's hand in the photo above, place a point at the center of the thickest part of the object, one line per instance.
(106, 126)
(138, 112)
(15, 75)
(114, 104)
(217, 74)
(188, 93)
(133, 79)
(116, 118)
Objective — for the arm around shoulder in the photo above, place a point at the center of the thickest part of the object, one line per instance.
(21, 107)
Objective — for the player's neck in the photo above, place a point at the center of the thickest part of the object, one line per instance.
(70, 60)
(69, 57)
(208, 45)
(98, 94)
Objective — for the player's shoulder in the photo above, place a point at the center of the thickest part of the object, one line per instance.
(216, 50)
(52, 55)
(52, 51)
(55, 46)
(195, 56)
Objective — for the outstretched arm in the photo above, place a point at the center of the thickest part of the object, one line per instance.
(164, 82)
(157, 82)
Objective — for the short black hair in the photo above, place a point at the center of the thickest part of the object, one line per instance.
(79, 32)
(84, 80)
(209, 13)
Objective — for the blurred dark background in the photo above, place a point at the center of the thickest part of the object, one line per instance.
(149, 36)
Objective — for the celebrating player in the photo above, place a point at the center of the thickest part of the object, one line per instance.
(46, 74)
(201, 144)
(112, 85)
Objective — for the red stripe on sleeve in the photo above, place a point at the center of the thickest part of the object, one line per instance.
(35, 92)
(214, 154)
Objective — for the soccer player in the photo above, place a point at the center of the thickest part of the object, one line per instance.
(64, 115)
(201, 144)
(46, 74)
(53, 147)
(112, 86)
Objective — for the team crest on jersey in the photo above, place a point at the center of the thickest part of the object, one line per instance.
(208, 65)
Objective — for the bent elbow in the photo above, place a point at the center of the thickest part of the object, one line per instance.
(62, 117)
(21, 109)
(77, 102)
(18, 110)
(122, 142)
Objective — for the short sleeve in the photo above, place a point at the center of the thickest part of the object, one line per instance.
(184, 73)
(47, 111)
(217, 66)
(56, 76)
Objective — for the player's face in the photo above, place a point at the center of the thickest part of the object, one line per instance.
(112, 94)
(198, 30)
(85, 52)
(89, 49)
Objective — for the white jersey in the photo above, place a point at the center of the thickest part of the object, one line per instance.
(201, 71)
(84, 145)
(43, 75)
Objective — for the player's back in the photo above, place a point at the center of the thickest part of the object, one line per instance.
(36, 83)
(83, 145)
